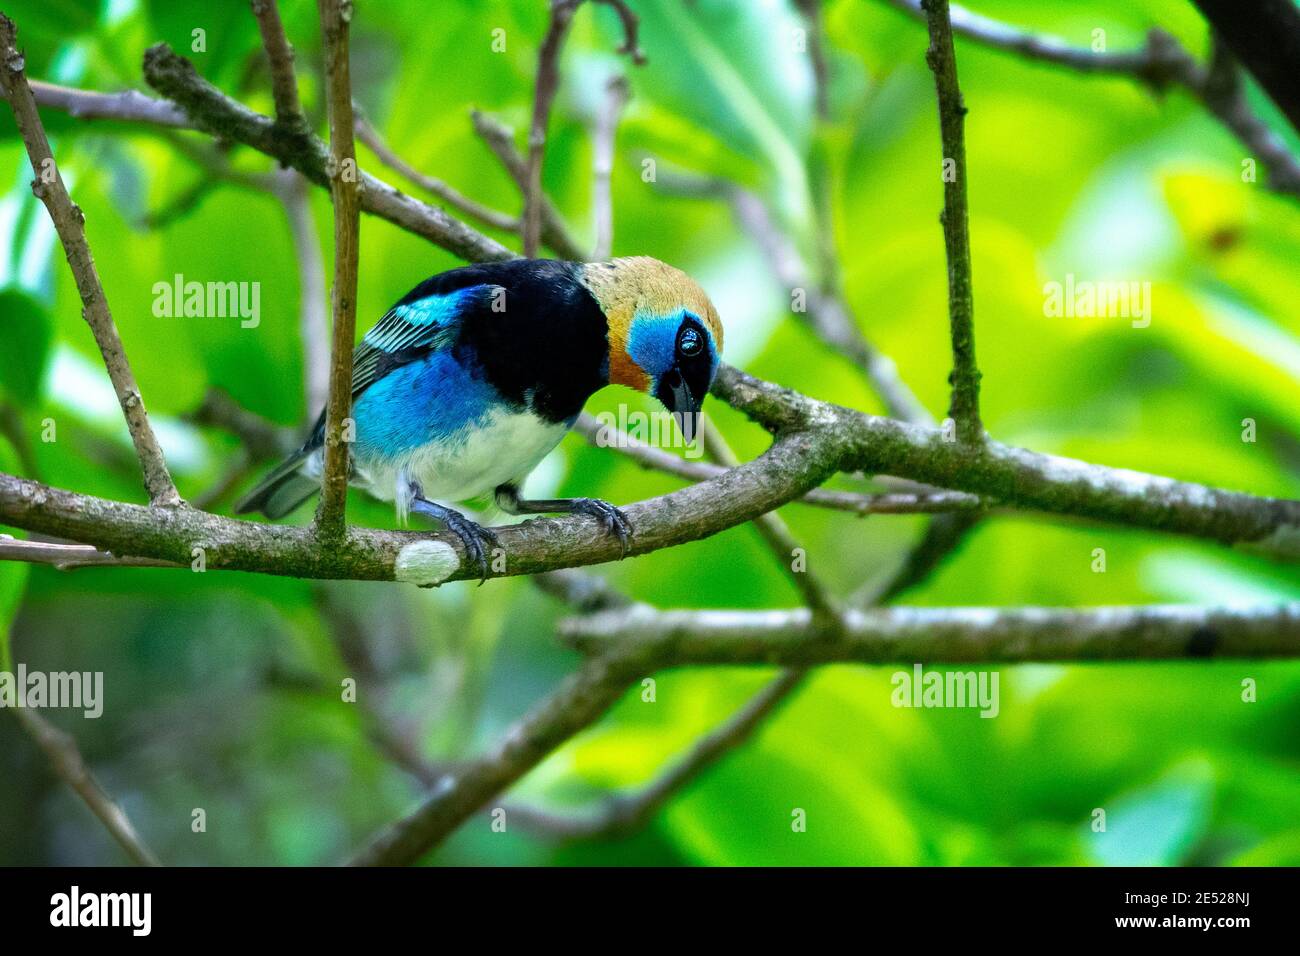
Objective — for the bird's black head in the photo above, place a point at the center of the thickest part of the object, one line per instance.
(683, 386)
(665, 337)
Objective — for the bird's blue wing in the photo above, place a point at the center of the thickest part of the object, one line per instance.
(412, 328)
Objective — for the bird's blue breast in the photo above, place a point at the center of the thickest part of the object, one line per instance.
(438, 398)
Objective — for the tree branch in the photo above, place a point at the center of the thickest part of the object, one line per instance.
(1162, 62)
(964, 407)
(794, 463)
(215, 113)
(814, 439)
(335, 16)
(70, 224)
(579, 702)
(623, 814)
(1265, 36)
(944, 635)
(649, 456)
(1020, 478)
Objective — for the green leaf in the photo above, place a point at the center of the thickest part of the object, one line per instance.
(214, 35)
(26, 330)
(734, 69)
(1158, 825)
(13, 574)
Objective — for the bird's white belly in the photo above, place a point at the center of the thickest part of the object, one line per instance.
(467, 465)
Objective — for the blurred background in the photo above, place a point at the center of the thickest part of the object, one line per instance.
(222, 689)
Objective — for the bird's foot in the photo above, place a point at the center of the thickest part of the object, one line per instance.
(611, 519)
(478, 540)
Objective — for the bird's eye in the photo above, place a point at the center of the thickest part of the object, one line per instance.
(690, 343)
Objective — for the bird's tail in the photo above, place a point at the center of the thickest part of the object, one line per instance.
(283, 490)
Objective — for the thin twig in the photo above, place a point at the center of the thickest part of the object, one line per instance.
(548, 82)
(66, 557)
(261, 439)
(501, 140)
(941, 537)
(235, 473)
(179, 206)
(586, 593)
(606, 128)
(1037, 46)
(130, 106)
(1264, 35)
(350, 636)
(776, 535)
(626, 813)
(582, 698)
(827, 315)
(335, 17)
(313, 307)
(452, 197)
(964, 407)
(70, 224)
(66, 760)
(811, 10)
(279, 56)
(215, 113)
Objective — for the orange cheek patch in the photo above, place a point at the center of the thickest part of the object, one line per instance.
(624, 371)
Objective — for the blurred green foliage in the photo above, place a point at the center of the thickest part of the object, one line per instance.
(222, 688)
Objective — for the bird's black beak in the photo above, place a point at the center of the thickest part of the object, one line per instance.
(676, 395)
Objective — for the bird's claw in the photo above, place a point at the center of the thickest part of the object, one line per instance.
(473, 536)
(612, 520)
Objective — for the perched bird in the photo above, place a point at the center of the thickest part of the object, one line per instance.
(470, 380)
